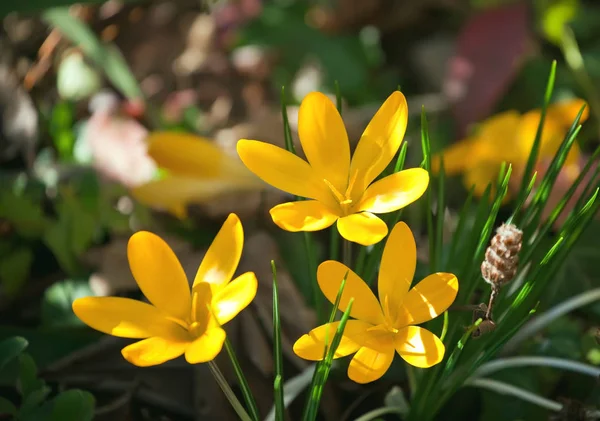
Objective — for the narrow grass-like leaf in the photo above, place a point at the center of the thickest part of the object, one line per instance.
(106, 57)
(401, 158)
(277, 353)
(324, 366)
(287, 132)
(316, 374)
(439, 225)
(459, 232)
(538, 135)
(426, 164)
(514, 217)
(246, 390)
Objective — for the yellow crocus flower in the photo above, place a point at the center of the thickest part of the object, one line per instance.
(176, 321)
(384, 326)
(338, 188)
(508, 137)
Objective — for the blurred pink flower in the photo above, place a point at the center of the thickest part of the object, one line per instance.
(117, 145)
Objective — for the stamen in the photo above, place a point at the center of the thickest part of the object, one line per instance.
(336, 193)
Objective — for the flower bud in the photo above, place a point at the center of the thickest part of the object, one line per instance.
(502, 256)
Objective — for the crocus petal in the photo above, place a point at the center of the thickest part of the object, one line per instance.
(304, 215)
(330, 275)
(456, 157)
(324, 139)
(175, 192)
(206, 347)
(480, 176)
(125, 317)
(428, 299)
(234, 297)
(153, 351)
(419, 347)
(159, 274)
(189, 155)
(379, 142)
(312, 345)
(283, 170)
(566, 111)
(395, 191)
(398, 264)
(370, 363)
(362, 228)
(223, 255)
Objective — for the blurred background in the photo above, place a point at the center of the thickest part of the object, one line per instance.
(83, 86)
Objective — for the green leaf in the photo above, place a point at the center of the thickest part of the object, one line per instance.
(277, 353)
(28, 379)
(73, 405)
(14, 269)
(7, 407)
(23, 213)
(10, 348)
(30, 408)
(57, 303)
(107, 57)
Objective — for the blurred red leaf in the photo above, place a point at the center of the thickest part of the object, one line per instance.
(488, 56)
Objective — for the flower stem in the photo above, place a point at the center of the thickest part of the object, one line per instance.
(233, 400)
(246, 391)
(517, 392)
(347, 254)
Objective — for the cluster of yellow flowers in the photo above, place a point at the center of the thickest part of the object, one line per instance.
(339, 188)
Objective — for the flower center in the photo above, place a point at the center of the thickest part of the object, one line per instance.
(344, 200)
(197, 329)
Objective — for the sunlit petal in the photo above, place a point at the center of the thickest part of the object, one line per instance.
(566, 111)
(174, 193)
(379, 142)
(312, 345)
(206, 347)
(362, 228)
(456, 157)
(398, 264)
(194, 156)
(223, 255)
(234, 297)
(395, 191)
(303, 215)
(370, 363)
(125, 317)
(481, 175)
(159, 274)
(153, 351)
(419, 347)
(428, 299)
(324, 139)
(330, 275)
(283, 170)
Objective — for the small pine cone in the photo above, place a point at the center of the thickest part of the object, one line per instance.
(502, 256)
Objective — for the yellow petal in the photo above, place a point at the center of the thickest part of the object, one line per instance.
(189, 155)
(419, 347)
(428, 299)
(370, 363)
(125, 317)
(379, 142)
(153, 351)
(398, 264)
(395, 191)
(283, 170)
(480, 176)
(500, 128)
(312, 345)
(159, 274)
(174, 193)
(456, 157)
(222, 257)
(234, 297)
(362, 228)
(206, 347)
(330, 275)
(304, 215)
(324, 139)
(566, 111)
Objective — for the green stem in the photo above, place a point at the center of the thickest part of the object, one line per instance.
(347, 254)
(246, 391)
(229, 394)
